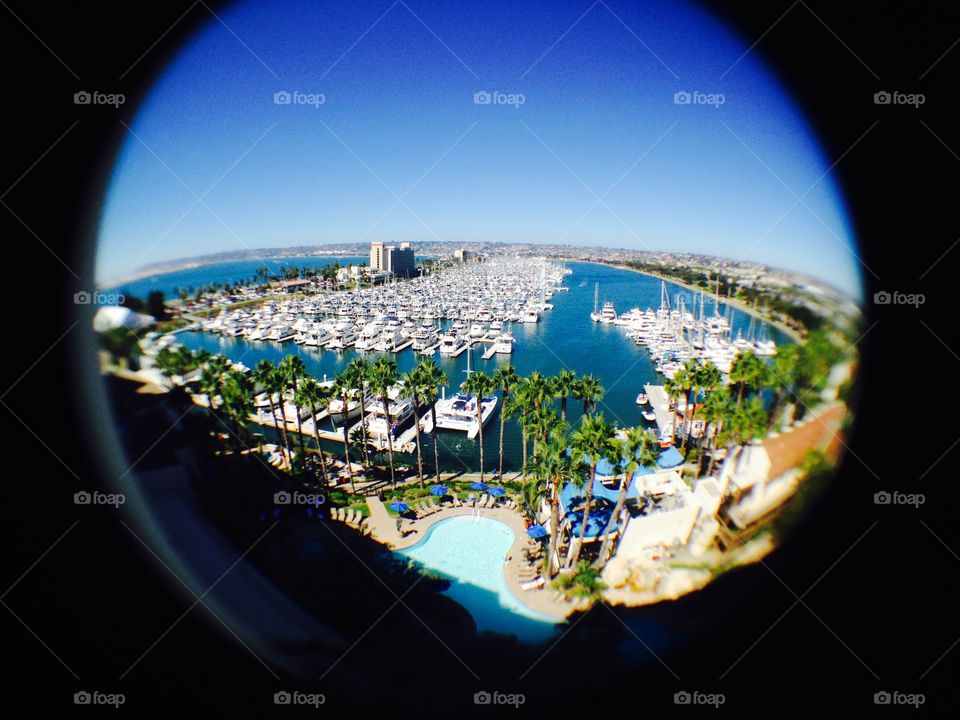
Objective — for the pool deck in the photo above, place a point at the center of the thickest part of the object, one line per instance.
(383, 528)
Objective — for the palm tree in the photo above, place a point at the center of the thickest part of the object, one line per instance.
(506, 378)
(706, 377)
(211, 379)
(480, 385)
(747, 370)
(236, 399)
(433, 379)
(293, 369)
(590, 391)
(358, 372)
(718, 408)
(342, 388)
(542, 422)
(555, 467)
(638, 448)
(311, 394)
(782, 378)
(270, 378)
(591, 442)
(383, 376)
(419, 389)
(749, 421)
(518, 405)
(688, 378)
(564, 384)
(672, 387)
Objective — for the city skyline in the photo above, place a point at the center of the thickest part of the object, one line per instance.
(624, 137)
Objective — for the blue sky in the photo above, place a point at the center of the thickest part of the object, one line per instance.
(399, 120)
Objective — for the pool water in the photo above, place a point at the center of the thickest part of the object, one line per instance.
(470, 551)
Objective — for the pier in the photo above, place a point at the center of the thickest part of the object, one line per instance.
(660, 404)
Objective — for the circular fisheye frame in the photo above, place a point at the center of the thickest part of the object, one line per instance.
(424, 332)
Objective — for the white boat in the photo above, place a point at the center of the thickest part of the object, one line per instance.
(530, 316)
(648, 415)
(503, 343)
(343, 336)
(450, 343)
(460, 413)
(400, 408)
(281, 333)
(642, 399)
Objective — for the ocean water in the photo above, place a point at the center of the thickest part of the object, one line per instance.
(225, 273)
(564, 337)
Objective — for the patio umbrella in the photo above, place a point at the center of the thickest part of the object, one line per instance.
(478, 486)
(537, 531)
(438, 490)
(400, 507)
(496, 491)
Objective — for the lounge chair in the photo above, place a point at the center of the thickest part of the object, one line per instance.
(349, 516)
(341, 515)
(533, 584)
(456, 502)
(471, 501)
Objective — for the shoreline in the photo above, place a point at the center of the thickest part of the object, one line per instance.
(196, 265)
(738, 304)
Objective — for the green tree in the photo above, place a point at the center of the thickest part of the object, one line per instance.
(383, 376)
(564, 384)
(480, 385)
(434, 378)
(506, 378)
(638, 448)
(593, 440)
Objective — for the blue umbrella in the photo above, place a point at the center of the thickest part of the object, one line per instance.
(496, 491)
(438, 490)
(400, 507)
(478, 486)
(537, 531)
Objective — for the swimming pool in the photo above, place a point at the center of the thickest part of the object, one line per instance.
(470, 551)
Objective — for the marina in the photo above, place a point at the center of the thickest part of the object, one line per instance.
(564, 337)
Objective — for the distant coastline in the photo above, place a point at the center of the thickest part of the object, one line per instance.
(159, 269)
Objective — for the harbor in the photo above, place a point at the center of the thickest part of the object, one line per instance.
(563, 337)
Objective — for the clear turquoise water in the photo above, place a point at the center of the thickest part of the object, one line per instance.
(564, 337)
(471, 553)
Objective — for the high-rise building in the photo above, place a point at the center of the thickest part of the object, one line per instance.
(399, 261)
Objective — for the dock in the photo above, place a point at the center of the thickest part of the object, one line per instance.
(660, 404)
(489, 352)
